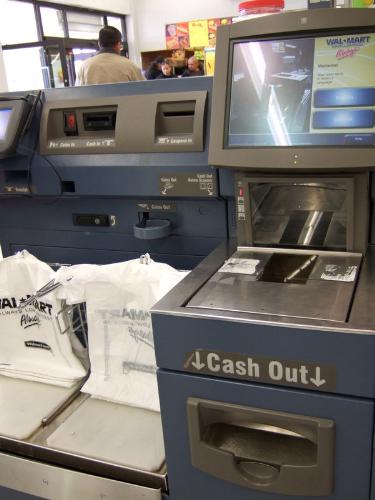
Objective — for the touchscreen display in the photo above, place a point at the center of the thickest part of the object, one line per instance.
(303, 91)
(4, 121)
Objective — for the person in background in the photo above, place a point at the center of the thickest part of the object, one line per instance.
(154, 70)
(108, 66)
(166, 70)
(194, 68)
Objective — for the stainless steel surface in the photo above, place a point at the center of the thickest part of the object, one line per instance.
(59, 409)
(301, 251)
(294, 211)
(36, 448)
(25, 403)
(315, 299)
(363, 311)
(115, 433)
(55, 483)
(174, 302)
(300, 212)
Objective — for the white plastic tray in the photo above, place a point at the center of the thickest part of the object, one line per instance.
(24, 404)
(113, 432)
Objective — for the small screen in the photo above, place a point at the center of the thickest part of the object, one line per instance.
(4, 121)
(303, 91)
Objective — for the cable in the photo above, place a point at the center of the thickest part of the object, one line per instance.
(31, 114)
(49, 163)
(38, 100)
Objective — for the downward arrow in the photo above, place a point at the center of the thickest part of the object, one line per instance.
(197, 363)
(317, 380)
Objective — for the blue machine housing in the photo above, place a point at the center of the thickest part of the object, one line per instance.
(265, 396)
(40, 193)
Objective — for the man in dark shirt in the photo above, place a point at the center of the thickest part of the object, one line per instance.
(194, 68)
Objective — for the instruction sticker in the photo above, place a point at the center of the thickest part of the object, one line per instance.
(335, 272)
(239, 266)
(201, 184)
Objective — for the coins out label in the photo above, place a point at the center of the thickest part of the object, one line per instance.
(184, 184)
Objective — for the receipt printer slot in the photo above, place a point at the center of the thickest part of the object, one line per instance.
(262, 449)
(175, 118)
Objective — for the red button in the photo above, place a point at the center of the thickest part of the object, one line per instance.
(240, 191)
(71, 121)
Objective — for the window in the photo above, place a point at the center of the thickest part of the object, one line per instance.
(17, 22)
(84, 26)
(25, 69)
(115, 22)
(44, 44)
(52, 22)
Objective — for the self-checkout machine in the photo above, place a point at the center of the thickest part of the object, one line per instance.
(265, 351)
(102, 174)
(118, 171)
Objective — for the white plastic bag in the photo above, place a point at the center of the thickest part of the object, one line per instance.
(31, 344)
(121, 347)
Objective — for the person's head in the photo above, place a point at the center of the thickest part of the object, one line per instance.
(193, 64)
(171, 30)
(110, 38)
(167, 67)
(158, 62)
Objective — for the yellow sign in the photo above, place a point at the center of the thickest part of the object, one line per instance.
(198, 33)
(209, 61)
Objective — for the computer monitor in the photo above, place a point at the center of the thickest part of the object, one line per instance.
(13, 113)
(295, 91)
(5, 114)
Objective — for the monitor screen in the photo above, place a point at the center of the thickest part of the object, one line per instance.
(4, 121)
(317, 91)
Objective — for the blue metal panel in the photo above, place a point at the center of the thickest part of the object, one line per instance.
(351, 354)
(59, 255)
(120, 174)
(121, 243)
(372, 491)
(193, 218)
(45, 228)
(110, 184)
(353, 419)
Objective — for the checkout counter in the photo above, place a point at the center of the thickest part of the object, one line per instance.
(266, 350)
(101, 174)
